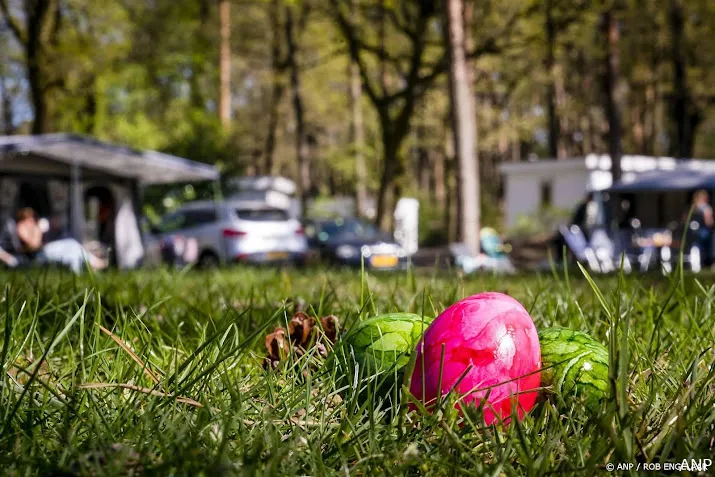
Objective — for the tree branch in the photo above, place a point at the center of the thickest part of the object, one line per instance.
(392, 15)
(12, 23)
(323, 59)
(376, 51)
(414, 84)
(354, 49)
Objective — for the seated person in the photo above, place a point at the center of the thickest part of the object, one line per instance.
(67, 252)
(702, 215)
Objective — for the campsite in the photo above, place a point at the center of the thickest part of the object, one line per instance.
(357, 238)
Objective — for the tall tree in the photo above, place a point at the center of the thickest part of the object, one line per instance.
(685, 115)
(357, 130)
(6, 103)
(394, 106)
(611, 35)
(39, 20)
(415, 57)
(301, 143)
(225, 62)
(357, 137)
(550, 65)
(463, 125)
(278, 65)
(6, 106)
(558, 16)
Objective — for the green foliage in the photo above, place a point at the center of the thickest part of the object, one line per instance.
(146, 74)
(431, 224)
(546, 221)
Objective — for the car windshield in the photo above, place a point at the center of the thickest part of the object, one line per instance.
(348, 228)
(262, 215)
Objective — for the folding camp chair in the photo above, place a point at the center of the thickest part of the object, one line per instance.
(578, 245)
(611, 252)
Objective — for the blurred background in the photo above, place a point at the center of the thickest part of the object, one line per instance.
(351, 98)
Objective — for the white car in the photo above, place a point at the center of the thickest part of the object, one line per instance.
(233, 231)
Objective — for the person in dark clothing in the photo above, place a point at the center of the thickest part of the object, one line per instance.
(701, 222)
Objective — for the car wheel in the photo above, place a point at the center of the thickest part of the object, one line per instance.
(208, 260)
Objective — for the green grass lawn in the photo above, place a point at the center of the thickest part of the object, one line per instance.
(161, 373)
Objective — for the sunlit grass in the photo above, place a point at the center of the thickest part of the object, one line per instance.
(161, 373)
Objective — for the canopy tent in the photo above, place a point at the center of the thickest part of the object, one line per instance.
(55, 154)
(666, 181)
(69, 167)
(660, 198)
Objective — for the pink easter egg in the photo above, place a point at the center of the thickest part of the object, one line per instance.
(491, 341)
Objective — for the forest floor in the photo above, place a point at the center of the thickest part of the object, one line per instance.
(162, 373)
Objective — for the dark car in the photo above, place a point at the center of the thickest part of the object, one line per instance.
(349, 241)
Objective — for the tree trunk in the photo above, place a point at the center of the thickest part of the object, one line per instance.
(277, 66)
(424, 172)
(549, 66)
(35, 15)
(357, 132)
(562, 151)
(610, 84)
(7, 108)
(39, 101)
(649, 119)
(464, 127)
(201, 45)
(685, 116)
(35, 77)
(516, 151)
(390, 150)
(437, 163)
(90, 106)
(382, 34)
(301, 144)
(394, 108)
(453, 209)
(273, 116)
(390, 146)
(225, 63)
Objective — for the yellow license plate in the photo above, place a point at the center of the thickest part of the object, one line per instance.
(383, 261)
(277, 255)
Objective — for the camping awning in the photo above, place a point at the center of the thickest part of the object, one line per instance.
(55, 154)
(665, 181)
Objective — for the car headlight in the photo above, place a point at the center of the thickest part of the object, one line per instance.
(346, 251)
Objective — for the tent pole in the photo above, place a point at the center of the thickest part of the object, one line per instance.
(137, 189)
(77, 205)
